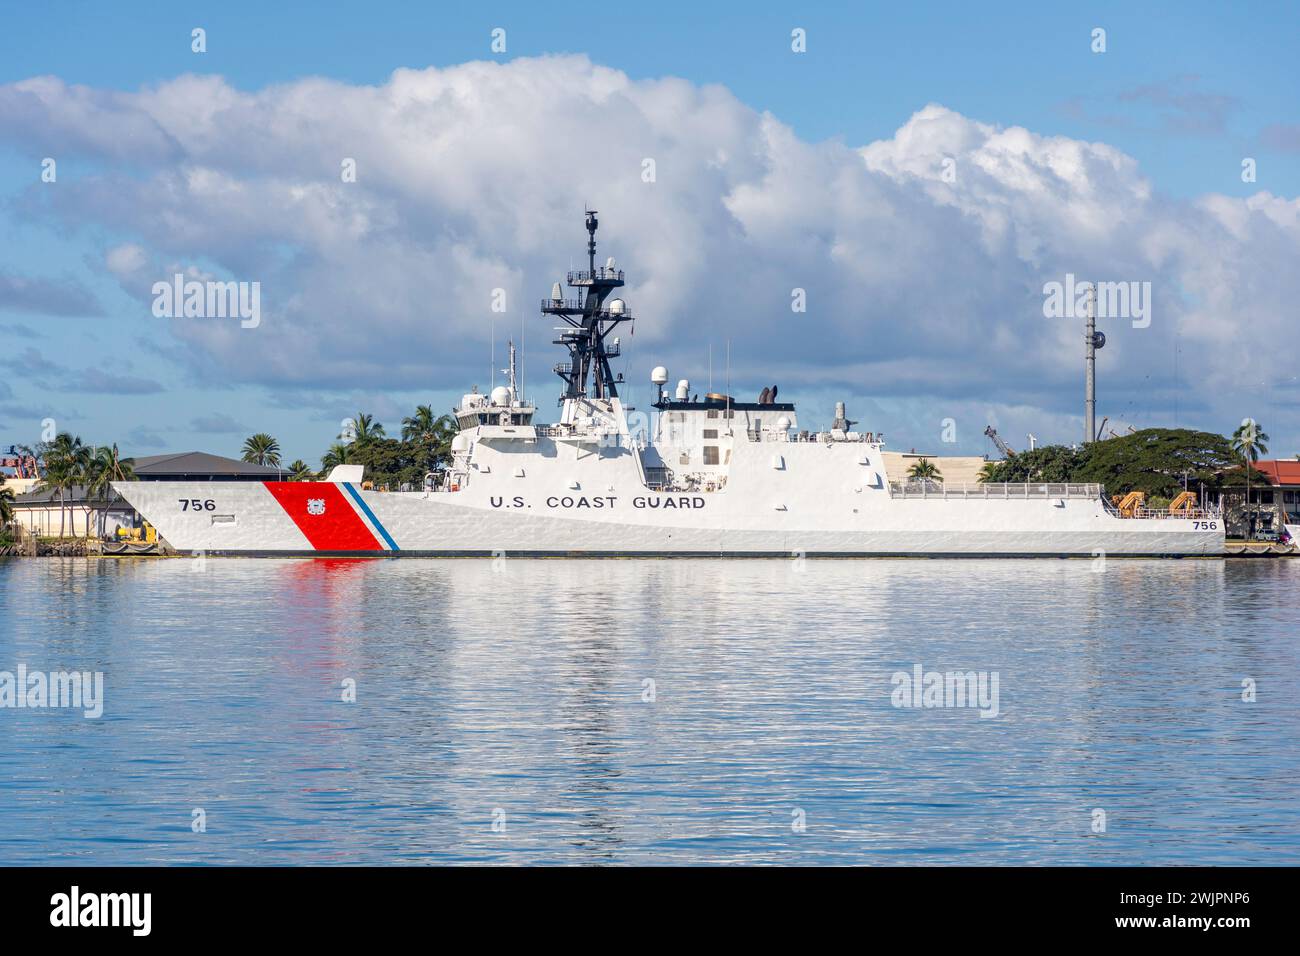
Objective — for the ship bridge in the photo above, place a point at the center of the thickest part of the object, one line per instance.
(752, 418)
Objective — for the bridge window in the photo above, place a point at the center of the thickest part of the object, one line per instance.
(710, 454)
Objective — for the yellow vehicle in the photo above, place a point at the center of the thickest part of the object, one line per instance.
(145, 534)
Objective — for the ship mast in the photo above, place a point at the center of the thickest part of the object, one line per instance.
(512, 380)
(589, 320)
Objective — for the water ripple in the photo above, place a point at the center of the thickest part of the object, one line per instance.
(523, 697)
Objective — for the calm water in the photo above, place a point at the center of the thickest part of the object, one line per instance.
(518, 695)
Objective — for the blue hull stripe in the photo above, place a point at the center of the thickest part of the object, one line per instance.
(356, 496)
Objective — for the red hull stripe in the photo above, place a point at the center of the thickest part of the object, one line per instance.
(324, 516)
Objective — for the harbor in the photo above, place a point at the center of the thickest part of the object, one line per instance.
(717, 476)
(847, 436)
(699, 476)
(84, 516)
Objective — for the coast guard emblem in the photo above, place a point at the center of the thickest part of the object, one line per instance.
(315, 506)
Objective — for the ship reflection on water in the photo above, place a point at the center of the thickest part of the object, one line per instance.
(682, 711)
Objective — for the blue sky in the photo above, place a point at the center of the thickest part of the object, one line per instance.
(1186, 90)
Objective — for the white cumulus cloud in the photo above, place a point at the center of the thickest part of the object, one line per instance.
(471, 178)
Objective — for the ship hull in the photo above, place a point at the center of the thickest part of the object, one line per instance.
(324, 519)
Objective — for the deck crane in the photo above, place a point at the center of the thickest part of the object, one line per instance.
(997, 440)
(22, 460)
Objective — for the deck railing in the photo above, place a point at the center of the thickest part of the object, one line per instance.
(1165, 512)
(806, 436)
(601, 273)
(940, 489)
(1044, 490)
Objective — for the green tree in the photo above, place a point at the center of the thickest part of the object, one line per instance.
(1154, 460)
(366, 428)
(56, 476)
(388, 462)
(1248, 443)
(301, 471)
(1158, 461)
(6, 507)
(66, 463)
(339, 454)
(106, 467)
(262, 449)
(1052, 463)
(429, 437)
(420, 425)
(924, 470)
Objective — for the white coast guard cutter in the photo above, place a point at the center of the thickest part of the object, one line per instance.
(710, 477)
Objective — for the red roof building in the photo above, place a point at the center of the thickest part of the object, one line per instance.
(1281, 473)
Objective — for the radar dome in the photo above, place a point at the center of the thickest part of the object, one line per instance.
(659, 376)
(557, 294)
(617, 307)
(500, 395)
(783, 423)
(683, 390)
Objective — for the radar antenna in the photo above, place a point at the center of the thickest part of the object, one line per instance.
(589, 320)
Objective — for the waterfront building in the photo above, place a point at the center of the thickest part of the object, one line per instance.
(1275, 501)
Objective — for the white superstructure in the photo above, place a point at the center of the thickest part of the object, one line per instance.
(701, 476)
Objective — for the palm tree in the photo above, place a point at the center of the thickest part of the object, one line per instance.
(420, 425)
(988, 470)
(67, 462)
(300, 471)
(89, 475)
(366, 428)
(262, 449)
(431, 435)
(924, 470)
(6, 506)
(337, 455)
(54, 477)
(107, 467)
(82, 464)
(119, 468)
(1248, 442)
